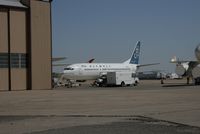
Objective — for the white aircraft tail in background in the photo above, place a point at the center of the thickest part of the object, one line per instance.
(189, 69)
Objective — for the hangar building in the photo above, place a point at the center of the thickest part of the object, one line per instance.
(25, 44)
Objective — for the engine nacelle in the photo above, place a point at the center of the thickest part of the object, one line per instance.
(197, 52)
(196, 72)
(181, 69)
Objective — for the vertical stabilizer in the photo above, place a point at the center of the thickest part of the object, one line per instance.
(136, 54)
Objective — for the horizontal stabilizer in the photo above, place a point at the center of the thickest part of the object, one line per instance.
(143, 65)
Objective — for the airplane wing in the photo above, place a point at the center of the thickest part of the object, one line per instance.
(143, 65)
(60, 65)
(58, 59)
(191, 64)
(175, 60)
(63, 64)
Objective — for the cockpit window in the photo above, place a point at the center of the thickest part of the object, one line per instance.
(68, 68)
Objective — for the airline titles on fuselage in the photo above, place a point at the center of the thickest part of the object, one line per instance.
(103, 67)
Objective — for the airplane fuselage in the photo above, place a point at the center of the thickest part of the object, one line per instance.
(92, 71)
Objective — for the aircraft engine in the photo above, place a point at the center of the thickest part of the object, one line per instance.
(196, 72)
(181, 69)
(197, 52)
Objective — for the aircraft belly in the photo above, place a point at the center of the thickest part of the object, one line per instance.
(89, 76)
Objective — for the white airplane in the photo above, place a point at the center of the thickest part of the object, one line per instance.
(92, 71)
(189, 69)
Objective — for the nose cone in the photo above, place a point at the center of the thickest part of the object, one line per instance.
(197, 52)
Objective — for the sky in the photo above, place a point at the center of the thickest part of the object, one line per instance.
(108, 30)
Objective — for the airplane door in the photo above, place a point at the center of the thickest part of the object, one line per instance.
(80, 72)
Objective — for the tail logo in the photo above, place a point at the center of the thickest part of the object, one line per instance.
(136, 54)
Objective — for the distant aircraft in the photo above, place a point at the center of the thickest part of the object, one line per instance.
(189, 69)
(92, 71)
(55, 59)
(58, 59)
(63, 64)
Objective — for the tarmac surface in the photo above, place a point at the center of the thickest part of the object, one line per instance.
(149, 108)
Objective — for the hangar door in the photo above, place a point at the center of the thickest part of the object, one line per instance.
(13, 49)
(18, 50)
(4, 81)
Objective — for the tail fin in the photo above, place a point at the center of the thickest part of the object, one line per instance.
(136, 54)
(174, 60)
(91, 60)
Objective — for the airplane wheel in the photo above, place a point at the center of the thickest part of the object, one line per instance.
(122, 84)
(135, 84)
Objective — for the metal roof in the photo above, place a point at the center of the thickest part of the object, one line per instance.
(12, 3)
